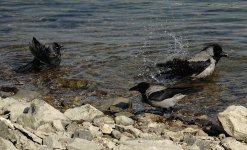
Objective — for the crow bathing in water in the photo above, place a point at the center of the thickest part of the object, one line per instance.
(44, 56)
(199, 66)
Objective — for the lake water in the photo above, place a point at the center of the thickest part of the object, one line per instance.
(117, 43)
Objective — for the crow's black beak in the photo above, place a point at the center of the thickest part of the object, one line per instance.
(224, 54)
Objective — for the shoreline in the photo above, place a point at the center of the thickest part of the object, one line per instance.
(28, 122)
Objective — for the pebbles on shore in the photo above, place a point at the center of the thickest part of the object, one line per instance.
(31, 123)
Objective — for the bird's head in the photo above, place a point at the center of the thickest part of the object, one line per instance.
(216, 51)
(141, 87)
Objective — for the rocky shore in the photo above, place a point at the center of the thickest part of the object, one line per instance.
(27, 122)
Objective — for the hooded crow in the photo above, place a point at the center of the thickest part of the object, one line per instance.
(199, 66)
(43, 56)
(162, 97)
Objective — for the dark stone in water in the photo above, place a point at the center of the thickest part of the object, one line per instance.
(75, 83)
(7, 91)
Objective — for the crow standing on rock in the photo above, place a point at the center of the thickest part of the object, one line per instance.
(44, 57)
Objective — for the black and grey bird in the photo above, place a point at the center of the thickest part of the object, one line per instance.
(198, 66)
(44, 56)
(161, 96)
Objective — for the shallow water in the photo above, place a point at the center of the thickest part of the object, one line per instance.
(117, 43)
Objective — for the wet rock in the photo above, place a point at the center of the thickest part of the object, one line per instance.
(85, 113)
(80, 144)
(234, 121)
(26, 96)
(148, 145)
(6, 145)
(123, 120)
(103, 120)
(230, 143)
(7, 91)
(83, 135)
(75, 83)
(124, 113)
(119, 104)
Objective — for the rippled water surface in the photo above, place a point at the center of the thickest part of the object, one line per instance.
(117, 43)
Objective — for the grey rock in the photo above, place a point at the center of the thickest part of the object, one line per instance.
(148, 145)
(7, 123)
(40, 112)
(234, 121)
(30, 135)
(15, 107)
(26, 96)
(52, 141)
(103, 120)
(81, 144)
(230, 143)
(24, 142)
(130, 129)
(72, 127)
(46, 128)
(106, 129)
(5, 133)
(116, 134)
(85, 113)
(6, 145)
(57, 125)
(83, 135)
(150, 136)
(27, 120)
(123, 120)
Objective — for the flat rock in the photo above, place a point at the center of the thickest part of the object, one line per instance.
(106, 128)
(57, 125)
(28, 134)
(232, 144)
(103, 120)
(13, 106)
(6, 145)
(123, 120)
(52, 141)
(148, 145)
(85, 113)
(87, 135)
(130, 129)
(39, 112)
(82, 144)
(234, 121)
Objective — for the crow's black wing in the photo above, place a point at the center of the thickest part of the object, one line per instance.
(170, 92)
(181, 67)
(39, 51)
